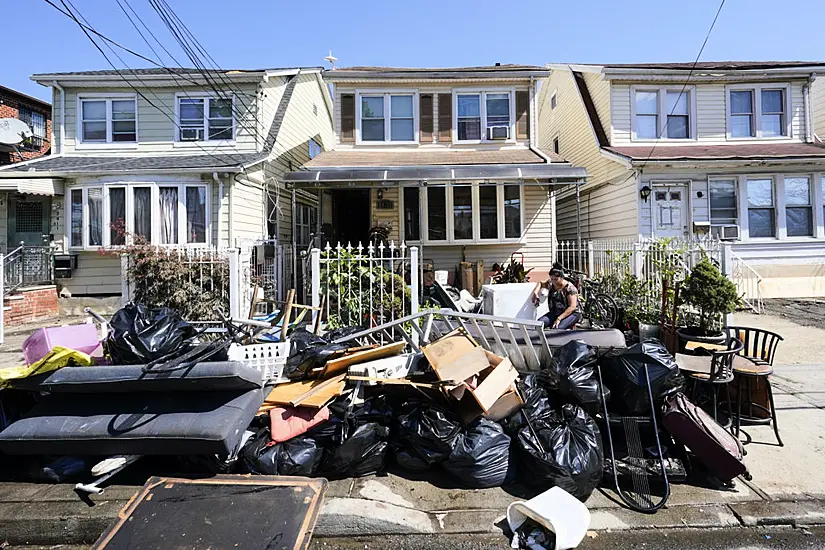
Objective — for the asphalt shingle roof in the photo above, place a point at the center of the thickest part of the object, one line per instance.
(745, 151)
(501, 67)
(717, 65)
(446, 157)
(136, 163)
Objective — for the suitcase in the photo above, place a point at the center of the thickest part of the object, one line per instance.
(713, 445)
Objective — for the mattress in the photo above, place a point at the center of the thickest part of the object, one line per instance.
(152, 423)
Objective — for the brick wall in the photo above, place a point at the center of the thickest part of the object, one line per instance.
(10, 105)
(31, 305)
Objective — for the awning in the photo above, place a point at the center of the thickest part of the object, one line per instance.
(33, 186)
(545, 174)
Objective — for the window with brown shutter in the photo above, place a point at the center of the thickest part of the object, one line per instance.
(347, 118)
(445, 118)
(522, 115)
(425, 110)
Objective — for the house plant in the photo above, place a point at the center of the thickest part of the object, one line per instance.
(711, 295)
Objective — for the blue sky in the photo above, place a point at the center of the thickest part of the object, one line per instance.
(271, 33)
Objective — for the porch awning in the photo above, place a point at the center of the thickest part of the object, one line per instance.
(544, 174)
(33, 186)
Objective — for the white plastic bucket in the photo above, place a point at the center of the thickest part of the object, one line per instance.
(556, 510)
(441, 276)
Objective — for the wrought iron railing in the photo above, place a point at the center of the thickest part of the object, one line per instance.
(27, 265)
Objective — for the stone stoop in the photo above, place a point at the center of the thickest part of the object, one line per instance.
(30, 304)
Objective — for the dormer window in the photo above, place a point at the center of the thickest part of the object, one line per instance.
(385, 117)
(483, 115)
(758, 111)
(663, 113)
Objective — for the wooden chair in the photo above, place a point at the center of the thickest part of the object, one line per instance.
(714, 370)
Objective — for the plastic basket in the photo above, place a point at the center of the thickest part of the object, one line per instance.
(270, 359)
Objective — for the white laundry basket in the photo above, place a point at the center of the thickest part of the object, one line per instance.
(268, 358)
(557, 510)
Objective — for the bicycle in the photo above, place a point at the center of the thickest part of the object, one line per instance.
(598, 308)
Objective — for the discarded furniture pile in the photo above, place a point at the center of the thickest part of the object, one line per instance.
(485, 400)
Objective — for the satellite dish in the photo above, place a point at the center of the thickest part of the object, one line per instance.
(13, 131)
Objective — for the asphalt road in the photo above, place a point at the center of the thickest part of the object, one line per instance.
(779, 538)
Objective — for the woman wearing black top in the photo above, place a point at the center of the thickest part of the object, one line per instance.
(563, 298)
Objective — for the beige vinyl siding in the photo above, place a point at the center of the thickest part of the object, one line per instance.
(711, 113)
(306, 117)
(610, 211)
(156, 132)
(96, 273)
(818, 106)
(600, 92)
(248, 202)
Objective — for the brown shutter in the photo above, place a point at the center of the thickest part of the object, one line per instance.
(445, 117)
(425, 111)
(347, 118)
(522, 115)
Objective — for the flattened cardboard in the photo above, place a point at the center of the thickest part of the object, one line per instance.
(338, 365)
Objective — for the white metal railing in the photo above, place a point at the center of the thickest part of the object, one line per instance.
(365, 285)
(748, 282)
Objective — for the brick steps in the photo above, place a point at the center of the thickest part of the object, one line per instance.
(26, 305)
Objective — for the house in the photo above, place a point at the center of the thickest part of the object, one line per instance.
(683, 149)
(24, 212)
(173, 157)
(446, 158)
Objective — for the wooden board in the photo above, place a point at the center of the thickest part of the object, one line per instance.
(306, 393)
(322, 394)
(338, 365)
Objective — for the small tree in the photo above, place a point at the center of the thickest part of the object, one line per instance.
(710, 292)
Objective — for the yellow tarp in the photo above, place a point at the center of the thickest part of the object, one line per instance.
(58, 358)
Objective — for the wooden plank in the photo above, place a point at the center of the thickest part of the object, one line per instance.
(399, 382)
(338, 365)
(287, 313)
(304, 392)
(325, 392)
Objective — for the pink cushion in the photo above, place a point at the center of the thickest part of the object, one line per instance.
(289, 422)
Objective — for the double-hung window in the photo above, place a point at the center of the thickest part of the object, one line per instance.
(662, 113)
(202, 118)
(388, 117)
(483, 115)
(107, 120)
(758, 111)
(37, 122)
(481, 212)
(724, 208)
(761, 208)
(798, 207)
(140, 213)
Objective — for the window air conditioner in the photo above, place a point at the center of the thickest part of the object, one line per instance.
(498, 132)
(726, 232)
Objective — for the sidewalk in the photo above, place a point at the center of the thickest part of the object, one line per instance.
(788, 486)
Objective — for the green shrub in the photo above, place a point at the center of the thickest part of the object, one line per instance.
(709, 292)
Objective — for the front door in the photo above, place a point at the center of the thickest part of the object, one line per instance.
(669, 211)
(28, 220)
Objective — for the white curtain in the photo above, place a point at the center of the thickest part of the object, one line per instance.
(168, 215)
(143, 213)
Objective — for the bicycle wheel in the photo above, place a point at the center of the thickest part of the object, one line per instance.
(602, 311)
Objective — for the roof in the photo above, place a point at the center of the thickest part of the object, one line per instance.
(745, 151)
(486, 71)
(590, 107)
(27, 97)
(443, 157)
(139, 163)
(714, 65)
(497, 68)
(164, 71)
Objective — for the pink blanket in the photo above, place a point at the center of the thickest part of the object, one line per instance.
(289, 422)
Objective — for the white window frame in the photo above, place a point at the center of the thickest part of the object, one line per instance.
(811, 205)
(314, 147)
(663, 112)
(155, 199)
(108, 144)
(386, 93)
(450, 225)
(757, 110)
(206, 97)
(778, 189)
(482, 92)
(736, 193)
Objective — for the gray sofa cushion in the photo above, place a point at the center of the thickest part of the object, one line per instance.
(189, 423)
(222, 375)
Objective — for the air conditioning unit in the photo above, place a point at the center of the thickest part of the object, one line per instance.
(498, 132)
(726, 232)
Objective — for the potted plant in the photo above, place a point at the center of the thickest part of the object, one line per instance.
(711, 295)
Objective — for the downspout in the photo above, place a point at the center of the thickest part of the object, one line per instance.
(533, 123)
(62, 116)
(219, 181)
(806, 98)
(294, 244)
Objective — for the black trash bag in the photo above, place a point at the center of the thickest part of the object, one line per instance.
(337, 333)
(573, 375)
(140, 335)
(481, 456)
(568, 452)
(60, 469)
(299, 456)
(425, 435)
(536, 404)
(308, 352)
(625, 375)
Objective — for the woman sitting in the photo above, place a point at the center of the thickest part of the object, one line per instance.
(563, 300)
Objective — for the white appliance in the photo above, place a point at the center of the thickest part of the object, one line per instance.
(513, 300)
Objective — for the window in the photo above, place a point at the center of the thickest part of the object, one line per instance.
(108, 120)
(206, 119)
(647, 114)
(314, 148)
(798, 207)
(388, 117)
(556, 145)
(741, 114)
(464, 212)
(723, 205)
(306, 218)
(678, 115)
(761, 212)
(37, 122)
(553, 100)
(111, 215)
(476, 112)
(758, 111)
